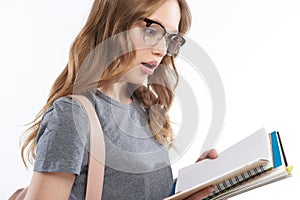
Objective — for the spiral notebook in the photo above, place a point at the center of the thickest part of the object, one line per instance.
(253, 162)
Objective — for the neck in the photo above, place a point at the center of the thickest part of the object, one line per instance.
(118, 92)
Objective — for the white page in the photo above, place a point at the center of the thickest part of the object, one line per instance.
(244, 153)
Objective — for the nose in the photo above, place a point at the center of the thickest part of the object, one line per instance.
(160, 49)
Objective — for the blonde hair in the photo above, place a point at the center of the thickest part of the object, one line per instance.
(92, 65)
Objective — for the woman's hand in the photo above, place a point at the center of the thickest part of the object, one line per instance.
(202, 193)
(211, 154)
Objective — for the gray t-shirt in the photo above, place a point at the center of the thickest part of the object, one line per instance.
(136, 165)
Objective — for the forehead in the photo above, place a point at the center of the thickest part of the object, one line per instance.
(168, 14)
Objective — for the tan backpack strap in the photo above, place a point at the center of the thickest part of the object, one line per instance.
(97, 151)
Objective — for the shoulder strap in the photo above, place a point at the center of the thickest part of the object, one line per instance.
(97, 151)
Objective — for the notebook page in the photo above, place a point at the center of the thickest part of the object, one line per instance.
(245, 154)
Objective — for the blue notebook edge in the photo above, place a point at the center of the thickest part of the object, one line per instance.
(275, 150)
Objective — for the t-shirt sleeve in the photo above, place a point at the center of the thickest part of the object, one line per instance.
(62, 138)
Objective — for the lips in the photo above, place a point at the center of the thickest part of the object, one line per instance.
(150, 65)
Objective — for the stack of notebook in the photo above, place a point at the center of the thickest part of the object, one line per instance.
(253, 162)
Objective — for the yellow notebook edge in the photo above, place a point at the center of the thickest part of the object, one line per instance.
(289, 169)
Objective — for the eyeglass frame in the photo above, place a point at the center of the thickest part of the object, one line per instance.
(165, 32)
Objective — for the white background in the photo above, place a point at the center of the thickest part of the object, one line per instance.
(255, 46)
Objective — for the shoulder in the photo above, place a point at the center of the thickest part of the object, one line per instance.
(65, 109)
(64, 117)
(65, 106)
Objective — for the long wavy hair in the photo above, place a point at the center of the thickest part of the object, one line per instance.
(94, 62)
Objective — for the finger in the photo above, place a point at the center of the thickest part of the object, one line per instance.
(203, 156)
(202, 194)
(212, 154)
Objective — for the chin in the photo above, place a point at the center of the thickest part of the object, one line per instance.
(140, 81)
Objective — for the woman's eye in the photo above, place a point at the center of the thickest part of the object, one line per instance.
(150, 31)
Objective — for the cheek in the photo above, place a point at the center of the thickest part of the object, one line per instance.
(137, 38)
(140, 53)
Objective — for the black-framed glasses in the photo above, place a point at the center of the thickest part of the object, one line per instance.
(155, 32)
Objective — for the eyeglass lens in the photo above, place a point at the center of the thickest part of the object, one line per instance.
(154, 33)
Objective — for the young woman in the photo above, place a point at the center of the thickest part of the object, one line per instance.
(123, 61)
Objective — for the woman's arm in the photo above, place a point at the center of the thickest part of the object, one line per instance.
(50, 185)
